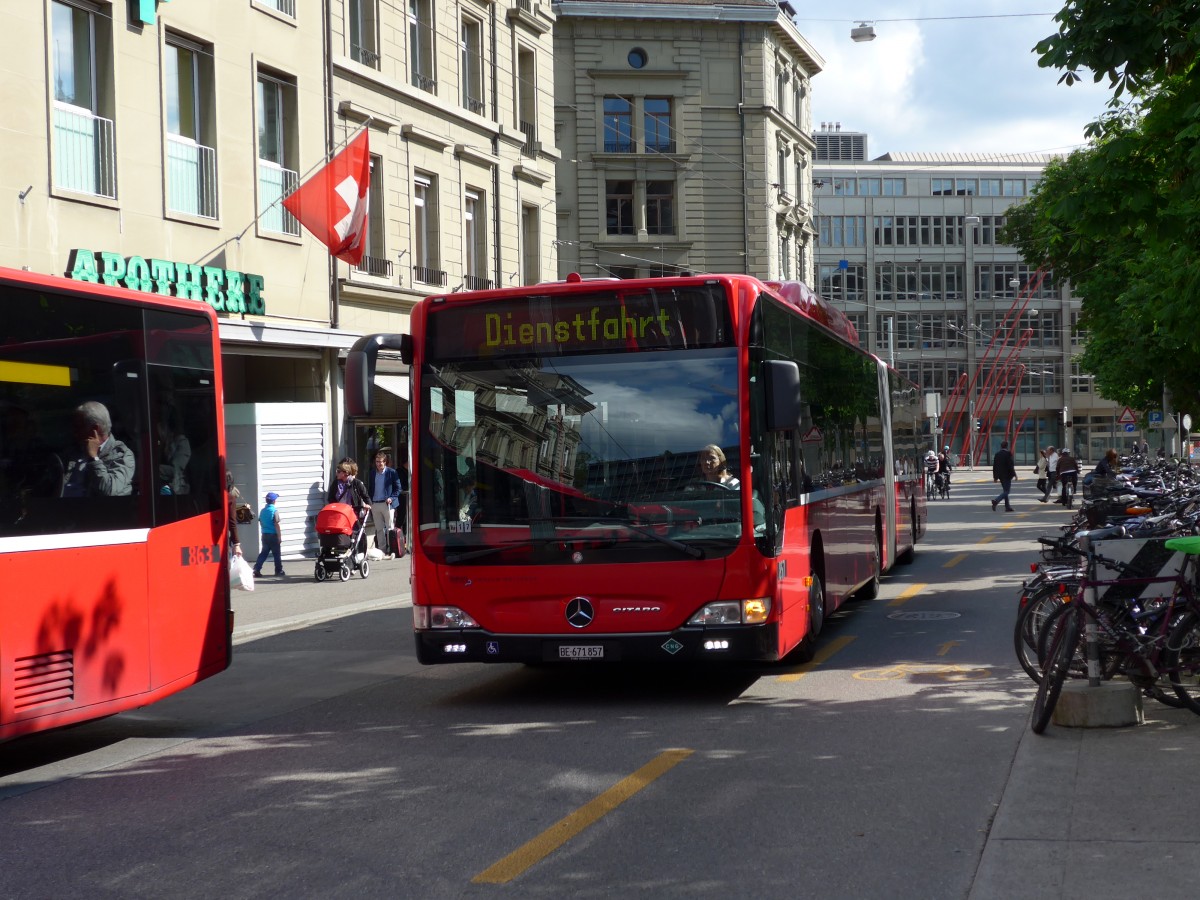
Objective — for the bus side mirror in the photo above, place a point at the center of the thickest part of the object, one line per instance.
(781, 380)
(360, 368)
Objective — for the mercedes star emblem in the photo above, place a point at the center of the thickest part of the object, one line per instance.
(580, 613)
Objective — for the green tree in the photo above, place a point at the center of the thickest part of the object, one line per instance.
(1119, 218)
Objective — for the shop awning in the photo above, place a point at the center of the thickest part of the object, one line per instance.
(393, 384)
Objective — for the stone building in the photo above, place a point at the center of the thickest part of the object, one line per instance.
(685, 137)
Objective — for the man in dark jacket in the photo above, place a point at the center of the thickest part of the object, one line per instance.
(1005, 472)
(1068, 471)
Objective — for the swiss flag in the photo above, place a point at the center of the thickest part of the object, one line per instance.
(333, 203)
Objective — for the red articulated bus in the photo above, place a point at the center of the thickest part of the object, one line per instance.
(565, 456)
(113, 505)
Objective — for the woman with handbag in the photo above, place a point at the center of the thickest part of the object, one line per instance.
(1040, 470)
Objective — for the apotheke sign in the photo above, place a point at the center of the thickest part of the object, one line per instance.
(225, 290)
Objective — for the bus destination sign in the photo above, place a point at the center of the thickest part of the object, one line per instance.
(598, 321)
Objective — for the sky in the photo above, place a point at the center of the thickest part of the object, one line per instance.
(960, 83)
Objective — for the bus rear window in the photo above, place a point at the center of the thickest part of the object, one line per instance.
(600, 321)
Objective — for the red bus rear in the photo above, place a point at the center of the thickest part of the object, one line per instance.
(112, 501)
(665, 469)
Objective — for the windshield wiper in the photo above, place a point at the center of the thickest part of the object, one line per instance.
(468, 555)
(687, 549)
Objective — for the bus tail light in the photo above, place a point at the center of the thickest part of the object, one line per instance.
(427, 617)
(733, 612)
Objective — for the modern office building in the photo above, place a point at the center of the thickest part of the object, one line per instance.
(146, 136)
(685, 137)
(908, 245)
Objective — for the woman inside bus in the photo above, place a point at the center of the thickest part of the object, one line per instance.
(715, 469)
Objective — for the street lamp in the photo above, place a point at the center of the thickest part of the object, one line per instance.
(969, 224)
(864, 32)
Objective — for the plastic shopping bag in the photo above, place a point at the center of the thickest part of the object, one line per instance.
(241, 576)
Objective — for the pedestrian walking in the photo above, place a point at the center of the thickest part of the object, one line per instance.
(1041, 470)
(383, 486)
(1004, 470)
(1051, 472)
(272, 536)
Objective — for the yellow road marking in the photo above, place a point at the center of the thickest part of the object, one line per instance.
(946, 647)
(822, 654)
(562, 831)
(920, 670)
(986, 539)
(954, 561)
(908, 593)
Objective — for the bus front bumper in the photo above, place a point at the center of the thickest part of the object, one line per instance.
(742, 643)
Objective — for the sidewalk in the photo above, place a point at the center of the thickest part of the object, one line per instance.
(298, 600)
(1095, 813)
(1098, 813)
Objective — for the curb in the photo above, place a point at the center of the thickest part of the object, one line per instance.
(316, 617)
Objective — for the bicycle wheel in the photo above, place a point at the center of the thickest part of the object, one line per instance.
(1030, 620)
(1181, 659)
(1062, 641)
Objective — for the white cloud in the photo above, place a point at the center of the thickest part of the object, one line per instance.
(948, 82)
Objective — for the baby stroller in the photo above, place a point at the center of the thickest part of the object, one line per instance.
(342, 547)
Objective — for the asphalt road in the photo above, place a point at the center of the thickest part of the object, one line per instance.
(327, 762)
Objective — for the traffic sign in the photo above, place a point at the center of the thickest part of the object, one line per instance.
(1156, 417)
(1129, 426)
(812, 436)
(1126, 417)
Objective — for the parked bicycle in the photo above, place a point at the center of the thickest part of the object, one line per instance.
(1152, 640)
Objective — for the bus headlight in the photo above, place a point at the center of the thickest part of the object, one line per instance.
(441, 617)
(733, 612)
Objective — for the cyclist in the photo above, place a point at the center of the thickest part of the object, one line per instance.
(944, 468)
(1067, 470)
(931, 464)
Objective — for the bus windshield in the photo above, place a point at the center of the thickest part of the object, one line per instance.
(584, 458)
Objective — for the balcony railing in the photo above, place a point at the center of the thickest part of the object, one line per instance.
(618, 146)
(529, 129)
(84, 153)
(525, 6)
(427, 275)
(424, 83)
(364, 55)
(191, 177)
(476, 106)
(275, 183)
(660, 146)
(478, 283)
(375, 266)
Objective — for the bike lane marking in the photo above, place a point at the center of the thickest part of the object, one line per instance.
(899, 671)
(821, 656)
(907, 594)
(563, 830)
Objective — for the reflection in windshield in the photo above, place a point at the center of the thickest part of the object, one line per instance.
(533, 452)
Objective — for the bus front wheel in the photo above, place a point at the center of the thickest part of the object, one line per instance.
(807, 648)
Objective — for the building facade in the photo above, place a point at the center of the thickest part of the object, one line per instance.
(908, 245)
(149, 144)
(685, 137)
